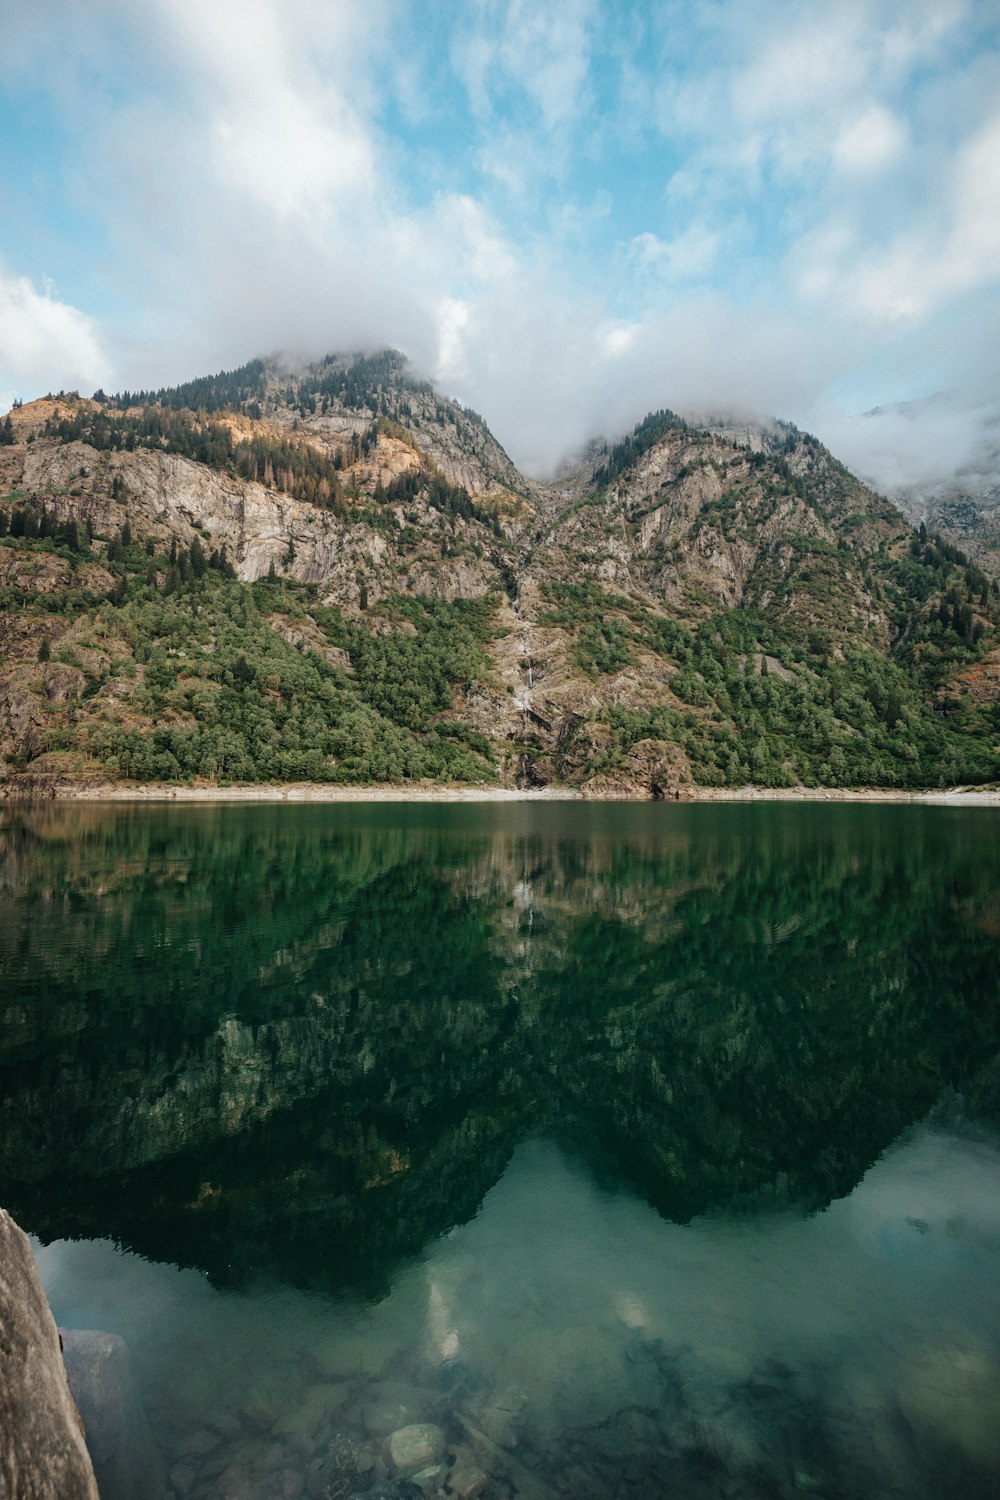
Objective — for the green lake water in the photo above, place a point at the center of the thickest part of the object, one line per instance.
(645, 1150)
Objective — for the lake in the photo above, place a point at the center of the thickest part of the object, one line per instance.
(642, 1150)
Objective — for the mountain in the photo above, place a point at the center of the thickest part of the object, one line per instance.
(334, 573)
(957, 487)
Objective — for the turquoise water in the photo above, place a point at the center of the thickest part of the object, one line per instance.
(643, 1150)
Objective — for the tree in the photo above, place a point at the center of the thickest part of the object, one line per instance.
(243, 672)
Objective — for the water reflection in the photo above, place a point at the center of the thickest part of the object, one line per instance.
(586, 1348)
(308, 1040)
(554, 1126)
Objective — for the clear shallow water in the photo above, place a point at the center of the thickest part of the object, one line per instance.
(646, 1150)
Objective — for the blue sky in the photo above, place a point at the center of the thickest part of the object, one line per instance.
(566, 214)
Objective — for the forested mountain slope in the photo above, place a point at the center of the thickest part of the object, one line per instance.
(336, 574)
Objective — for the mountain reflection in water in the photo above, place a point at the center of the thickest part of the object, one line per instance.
(295, 1046)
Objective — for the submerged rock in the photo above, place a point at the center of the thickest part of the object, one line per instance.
(466, 1480)
(950, 1394)
(311, 1411)
(126, 1461)
(389, 1489)
(428, 1481)
(416, 1447)
(392, 1406)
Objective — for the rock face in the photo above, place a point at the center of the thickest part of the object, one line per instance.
(43, 1455)
(119, 1441)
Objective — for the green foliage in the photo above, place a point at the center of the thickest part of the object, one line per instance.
(35, 521)
(220, 695)
(854, 716)
(602, 641)
(409, 677)
(450, 499)
(364, 383)
(227, 391)
(863, 719)
(645, 435)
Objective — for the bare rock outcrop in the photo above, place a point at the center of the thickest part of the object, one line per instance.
(43, 1455)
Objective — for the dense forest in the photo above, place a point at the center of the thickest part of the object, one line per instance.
(216, 692)
(763, 703)
(229, 390)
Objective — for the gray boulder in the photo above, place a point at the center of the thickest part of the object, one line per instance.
(43, 1455)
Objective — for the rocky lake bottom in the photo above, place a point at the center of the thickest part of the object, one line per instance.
(518, 1151)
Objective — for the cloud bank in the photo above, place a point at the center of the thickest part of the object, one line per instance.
(567, 215)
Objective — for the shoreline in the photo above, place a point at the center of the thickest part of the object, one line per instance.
(306, 792)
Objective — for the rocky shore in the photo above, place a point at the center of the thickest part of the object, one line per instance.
(28, 788)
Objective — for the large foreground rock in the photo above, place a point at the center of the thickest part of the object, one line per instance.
(43, 1455)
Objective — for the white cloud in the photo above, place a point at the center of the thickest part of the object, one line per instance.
(951, 245)
(802, 69)
(550, 383)
(479, 248)
(775, 90)
(281, 131)
(452, 321)
(870, 143)
(45, 344)
(973, 250)
(797, 186)
(927, 445)
(546, 49)
(688, 255)
(617, 339)
(540, 49)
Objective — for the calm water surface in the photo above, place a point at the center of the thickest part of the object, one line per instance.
(648, 1151)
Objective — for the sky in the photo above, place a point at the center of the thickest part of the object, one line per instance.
(565, 214)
